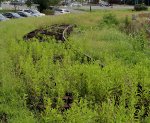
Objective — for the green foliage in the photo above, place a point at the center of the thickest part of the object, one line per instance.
(48, 12)
(127, 21)
(140, 41)
(44, 4)
(140, 7)
(1, 2)
(33, 80)
(29, 3)
(109, 19)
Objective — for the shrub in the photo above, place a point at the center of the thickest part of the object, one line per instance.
(140, 7)
(140, 41)
(110, 19)
(48, 12)
(127, 21)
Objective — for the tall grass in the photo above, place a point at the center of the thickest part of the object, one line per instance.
(32, 78)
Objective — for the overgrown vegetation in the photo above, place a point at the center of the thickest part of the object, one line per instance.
(44, 4)
(49, 12)
(53, 82)
(140, 7)
(109, 20)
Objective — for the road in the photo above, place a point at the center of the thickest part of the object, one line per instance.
(7, 6)
(87, 7)
(75, 9)
(111, 7)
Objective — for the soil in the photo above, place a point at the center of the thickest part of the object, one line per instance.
(35, 102)
(56, 31)
(3, 117)
(143, 103)
(68, 99)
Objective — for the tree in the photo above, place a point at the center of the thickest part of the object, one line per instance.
(14, 2)
(54, 2)
(1, 2)
(81, 1)
(44, 4)
(29, 3)
(90, 5)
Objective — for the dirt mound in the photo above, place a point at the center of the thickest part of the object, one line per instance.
(58, 31)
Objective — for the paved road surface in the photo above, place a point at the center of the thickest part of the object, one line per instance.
(111, 7)
(74, 9)
(7, 6)
(100, 7)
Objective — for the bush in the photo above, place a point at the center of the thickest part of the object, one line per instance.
(140, 7)
(48, 12)
(110, 19)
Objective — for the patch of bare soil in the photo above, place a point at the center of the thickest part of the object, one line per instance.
(58, 31)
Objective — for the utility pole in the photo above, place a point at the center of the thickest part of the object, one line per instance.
(0, 3)
(90, 6)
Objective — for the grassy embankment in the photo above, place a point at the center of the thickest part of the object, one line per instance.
(115, 92)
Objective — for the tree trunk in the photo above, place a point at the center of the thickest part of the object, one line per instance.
(0, 3)
(90, 7)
